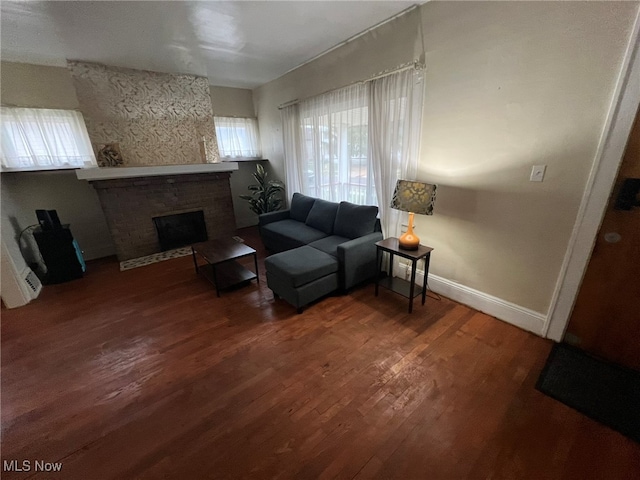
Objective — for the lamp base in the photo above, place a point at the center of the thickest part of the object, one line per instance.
(409, 240)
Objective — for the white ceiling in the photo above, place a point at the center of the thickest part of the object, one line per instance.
(233, 43)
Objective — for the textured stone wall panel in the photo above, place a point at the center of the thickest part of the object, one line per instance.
(156, 118)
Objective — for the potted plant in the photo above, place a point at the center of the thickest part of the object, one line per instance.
(265, 195)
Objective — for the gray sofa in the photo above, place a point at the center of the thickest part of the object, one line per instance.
(319, 246)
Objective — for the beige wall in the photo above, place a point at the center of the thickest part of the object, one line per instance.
(38, 86)
(521, 84)
(508, 85)
(231, 102)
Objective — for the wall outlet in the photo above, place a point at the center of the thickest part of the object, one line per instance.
(405, 272)
(537, 173)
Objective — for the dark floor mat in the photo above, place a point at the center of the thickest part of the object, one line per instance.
(607, 393)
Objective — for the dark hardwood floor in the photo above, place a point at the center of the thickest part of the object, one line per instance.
(147, 374)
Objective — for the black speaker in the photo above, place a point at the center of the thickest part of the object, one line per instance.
(48, 219)
(44, 219)
(55, 220)
(59, 253)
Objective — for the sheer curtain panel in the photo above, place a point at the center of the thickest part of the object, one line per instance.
(43, 139)
(395, 121)
(334, 139)
(237, 137)
(295, 180)
(354, 143)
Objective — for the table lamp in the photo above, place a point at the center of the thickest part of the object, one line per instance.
(413, 197)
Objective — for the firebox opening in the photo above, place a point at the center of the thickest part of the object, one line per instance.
(179, 230)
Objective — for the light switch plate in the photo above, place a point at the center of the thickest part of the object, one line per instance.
(537, 173)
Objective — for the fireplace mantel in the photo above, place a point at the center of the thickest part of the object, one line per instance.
(107, 173)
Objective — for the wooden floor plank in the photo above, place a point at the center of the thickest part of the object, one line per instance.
(148, 374)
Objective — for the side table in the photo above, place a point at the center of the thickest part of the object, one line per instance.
(398, 285)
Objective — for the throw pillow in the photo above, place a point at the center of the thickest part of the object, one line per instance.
(322, 216)
(300, 207)
(353, 221)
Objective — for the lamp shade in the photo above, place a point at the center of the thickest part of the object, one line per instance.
(416, 197)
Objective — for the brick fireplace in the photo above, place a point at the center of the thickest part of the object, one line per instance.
(163, 126)
(131, 203)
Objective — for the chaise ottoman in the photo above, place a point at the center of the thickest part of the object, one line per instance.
(301, 275)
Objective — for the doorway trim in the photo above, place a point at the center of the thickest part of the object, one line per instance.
(609, 155)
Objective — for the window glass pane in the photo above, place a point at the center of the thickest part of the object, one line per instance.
(238, 137)
(43, 139)
(335, 142)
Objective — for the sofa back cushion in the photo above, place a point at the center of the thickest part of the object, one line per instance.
(300, 207)
(322, 215)
(353, 221)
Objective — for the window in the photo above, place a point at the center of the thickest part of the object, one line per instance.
(334, 146)
(43, 139)
(238, 137)
(354, 143)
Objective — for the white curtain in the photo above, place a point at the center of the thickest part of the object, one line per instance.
(395, 115)
(295, 180)
(43, 139)
(237, 137)
(334, 146)
(354, 143)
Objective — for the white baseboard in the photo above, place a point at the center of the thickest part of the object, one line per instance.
(501, 309)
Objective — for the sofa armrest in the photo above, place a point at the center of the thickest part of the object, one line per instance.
(266, 218)
(357, 259)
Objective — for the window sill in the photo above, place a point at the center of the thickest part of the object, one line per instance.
(244, 159)
(38, 169)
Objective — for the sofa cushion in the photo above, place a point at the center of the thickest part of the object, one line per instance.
(300, 207)
(353, 221)
(301, 265)
(322, 215)
(329, 244)
(291, 232)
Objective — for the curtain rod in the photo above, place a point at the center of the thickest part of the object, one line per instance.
(416, 65)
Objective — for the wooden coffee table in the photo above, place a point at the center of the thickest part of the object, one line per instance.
(221, 267)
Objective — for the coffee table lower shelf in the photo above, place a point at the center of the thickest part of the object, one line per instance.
(222, 268)
(227, 274)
